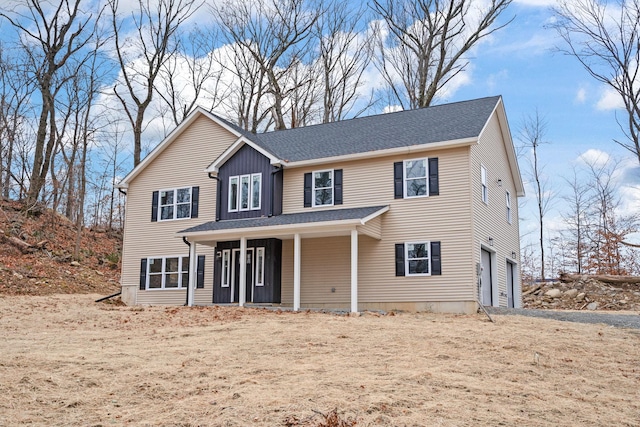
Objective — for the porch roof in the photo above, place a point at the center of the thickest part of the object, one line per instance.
(322, 222)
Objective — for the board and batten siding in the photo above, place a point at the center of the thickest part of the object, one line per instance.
(490, 220)
(445, 218)
(181, 164)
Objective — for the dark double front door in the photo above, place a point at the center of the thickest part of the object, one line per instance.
(263, 266)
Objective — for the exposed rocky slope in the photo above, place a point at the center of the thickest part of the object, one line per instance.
(36, 254)
(583, 294)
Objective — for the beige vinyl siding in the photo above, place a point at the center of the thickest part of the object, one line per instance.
(490, 219)
(181, 164)
(445, 218)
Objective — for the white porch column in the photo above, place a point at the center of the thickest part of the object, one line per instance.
(193, 274)
(354, 271)
(296, 272)
(243, 272)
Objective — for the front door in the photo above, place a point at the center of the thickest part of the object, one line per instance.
(235, 276)
(485, 278)
(510, 269)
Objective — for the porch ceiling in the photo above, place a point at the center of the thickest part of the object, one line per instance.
(316, 223)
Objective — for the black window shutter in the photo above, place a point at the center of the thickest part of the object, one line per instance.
(398, 185)
(154, 206)
(337, 187)
(200, 276)
(307, 189)
(434, 188)
(400, 259)
(143, 274)
(195, 196)
(436, 262)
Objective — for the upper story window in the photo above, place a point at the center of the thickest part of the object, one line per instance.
(245, 192)
(508, 201)
(175, 203)
(416, 178)
(323, 188)
(483, 182)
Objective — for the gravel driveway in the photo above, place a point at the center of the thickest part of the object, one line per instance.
(618, 320)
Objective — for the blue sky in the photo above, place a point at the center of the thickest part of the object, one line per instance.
(520, 63)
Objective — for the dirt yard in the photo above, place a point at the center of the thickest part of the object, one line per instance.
(65, 360)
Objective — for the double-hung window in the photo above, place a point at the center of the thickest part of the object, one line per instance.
(419, 258)
(483, 184)
(175, 204)
(168, 272)
(323, 188)
(245, 192)
(416, 178)
(508, 201)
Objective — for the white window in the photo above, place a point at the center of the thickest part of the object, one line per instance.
(323, 188)
(226, 268)
(508, 201)
(168, 272)
(415, 178)
(233, 193)
(175, 204)
(483, 180)
(245, 192)
(417, 259)
(259, 267)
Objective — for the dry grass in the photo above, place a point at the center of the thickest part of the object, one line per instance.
(68, 361)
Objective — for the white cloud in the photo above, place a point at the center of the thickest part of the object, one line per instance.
(391, 108)
(594, 157)
(581, 96)
(609, 100)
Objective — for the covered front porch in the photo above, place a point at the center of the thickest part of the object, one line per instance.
(295, 228)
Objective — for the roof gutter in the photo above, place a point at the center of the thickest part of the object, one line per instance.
(418, 148)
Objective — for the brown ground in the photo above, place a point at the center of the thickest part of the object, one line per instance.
(66, 360)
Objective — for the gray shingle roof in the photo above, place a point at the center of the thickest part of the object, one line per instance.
(287, 219)
(444, 122)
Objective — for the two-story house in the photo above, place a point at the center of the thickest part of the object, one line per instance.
(412, 210)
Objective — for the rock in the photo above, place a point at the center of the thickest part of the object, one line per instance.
(580, 296)
(553, 293)
(592, 306)
(99, 273)
(571, 293)
(74, 264)
(18, 275)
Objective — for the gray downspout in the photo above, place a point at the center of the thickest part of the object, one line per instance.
(273, 188)
(184, 239)
(217, 195)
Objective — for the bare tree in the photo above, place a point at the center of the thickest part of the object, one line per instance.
(52, 34)
(16, 90)
(191, 76)
(156, 25)
(423, 44)
(605, 38)
(576, 218)
(532, 136)
(344, 54)
(276, 33)
(607, 252)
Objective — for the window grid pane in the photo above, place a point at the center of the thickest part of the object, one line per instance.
(323, 188)
(417, 258)
(415, 178)
(233, 194)
(244, 192)
(255, 190)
